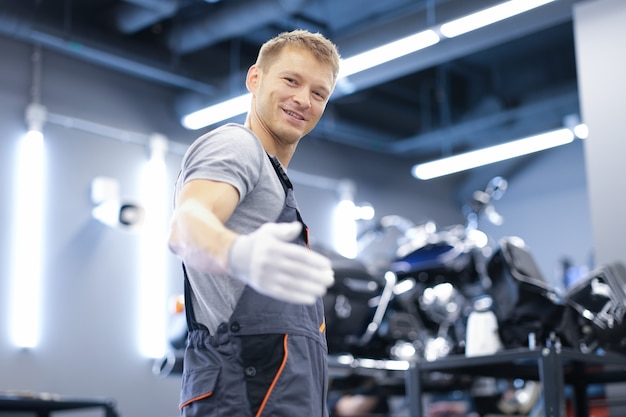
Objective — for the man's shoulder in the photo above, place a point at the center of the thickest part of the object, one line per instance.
(230, 138)
(233, 129)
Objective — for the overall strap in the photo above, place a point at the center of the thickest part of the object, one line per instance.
(192, 324)
(282, 175)
(288, 186)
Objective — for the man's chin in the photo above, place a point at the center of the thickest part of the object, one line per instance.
(293, 134)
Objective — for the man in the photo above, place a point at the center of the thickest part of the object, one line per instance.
(256, 344)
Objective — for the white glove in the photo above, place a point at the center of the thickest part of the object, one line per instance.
(269, 263)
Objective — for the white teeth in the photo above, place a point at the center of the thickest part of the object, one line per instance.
(297, 116)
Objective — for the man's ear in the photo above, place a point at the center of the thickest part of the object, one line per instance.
(252, 78)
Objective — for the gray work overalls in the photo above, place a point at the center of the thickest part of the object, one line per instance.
(269, 359)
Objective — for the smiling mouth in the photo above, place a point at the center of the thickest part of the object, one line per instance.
(294, 115)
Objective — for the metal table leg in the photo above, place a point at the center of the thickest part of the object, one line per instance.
(413, 391)
(580, 401)
(551, 374)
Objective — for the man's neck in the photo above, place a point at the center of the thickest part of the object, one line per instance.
(272, 145)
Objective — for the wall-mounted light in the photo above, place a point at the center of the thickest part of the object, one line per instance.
(344, 224)
(152, 314)
(110, 209)
(28, 231)
(346, 215)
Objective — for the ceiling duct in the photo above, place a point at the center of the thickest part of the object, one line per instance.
(543, 113)
(232, 19)
(24, 30)
(134, 15)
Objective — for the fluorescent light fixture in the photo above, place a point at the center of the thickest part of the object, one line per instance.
(217, 112)
(239, 105)
(110, 209)
(387, 52)
(345, 229)
(376, 56)
(364, 212)
(581, 131)
(492, 154)
(153, 274)
(28, 240)
(489, 16)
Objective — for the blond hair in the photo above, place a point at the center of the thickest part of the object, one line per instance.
(322, 49)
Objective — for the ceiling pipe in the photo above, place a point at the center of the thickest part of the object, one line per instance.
(134, 15)
(542, 113)
(23, 30)
(156, 5)
(564, 103)
(232, 19)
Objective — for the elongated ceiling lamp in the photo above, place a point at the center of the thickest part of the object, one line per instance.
(492, 154)
(377, 56)
(368, 59)
(28, 240)
(153, 274)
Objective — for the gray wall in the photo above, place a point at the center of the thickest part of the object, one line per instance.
(88, 346)
(601, 56)
(547, 207)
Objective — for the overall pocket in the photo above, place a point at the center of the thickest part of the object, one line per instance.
(198, 386)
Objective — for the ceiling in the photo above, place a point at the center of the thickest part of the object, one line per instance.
(506, 81)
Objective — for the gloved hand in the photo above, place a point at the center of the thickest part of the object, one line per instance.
(268, 262)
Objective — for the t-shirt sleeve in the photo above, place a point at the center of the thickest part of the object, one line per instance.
(230, 154)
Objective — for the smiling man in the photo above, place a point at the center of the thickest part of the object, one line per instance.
(253, 289)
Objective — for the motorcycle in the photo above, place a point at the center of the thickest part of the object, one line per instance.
(419, 308)
(436, 280)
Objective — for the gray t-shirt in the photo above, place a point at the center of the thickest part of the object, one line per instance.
(234, 155)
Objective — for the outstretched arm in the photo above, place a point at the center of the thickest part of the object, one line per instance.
(266, 259)
(197, 232)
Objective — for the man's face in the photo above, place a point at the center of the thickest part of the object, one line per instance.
(291, 95)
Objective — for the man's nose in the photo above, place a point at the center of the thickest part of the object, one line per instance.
(303, 97)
